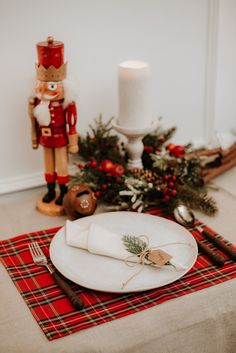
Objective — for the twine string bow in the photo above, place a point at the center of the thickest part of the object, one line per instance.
(140, 259)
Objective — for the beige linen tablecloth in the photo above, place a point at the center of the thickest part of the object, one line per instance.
(201, 322)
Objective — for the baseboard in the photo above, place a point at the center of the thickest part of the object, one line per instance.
(26, 181)
(21, 182)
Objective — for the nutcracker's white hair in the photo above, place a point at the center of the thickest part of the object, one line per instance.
(69, 91)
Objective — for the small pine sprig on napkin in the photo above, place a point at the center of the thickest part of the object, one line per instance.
(134, 245)
(137, 246)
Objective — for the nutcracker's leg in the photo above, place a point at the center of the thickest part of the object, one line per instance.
(63, 191)
(62, 172)
(50, 175)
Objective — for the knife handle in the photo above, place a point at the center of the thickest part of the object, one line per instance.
(217, 259)
(228, 249)
(74, 298)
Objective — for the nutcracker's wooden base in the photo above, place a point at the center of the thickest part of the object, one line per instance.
(50, 209)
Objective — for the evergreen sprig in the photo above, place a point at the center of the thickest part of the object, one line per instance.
(158, 137)
(134, 245)
(100, 143)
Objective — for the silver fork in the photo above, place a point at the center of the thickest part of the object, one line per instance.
(40, 259)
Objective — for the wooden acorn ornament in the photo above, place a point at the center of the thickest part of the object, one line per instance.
(79, 201)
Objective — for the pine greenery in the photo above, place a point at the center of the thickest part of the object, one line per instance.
(134, 245)
(100, 143)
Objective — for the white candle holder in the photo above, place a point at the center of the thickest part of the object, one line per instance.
(135, 145)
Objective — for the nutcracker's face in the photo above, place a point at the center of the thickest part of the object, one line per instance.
(49, 91)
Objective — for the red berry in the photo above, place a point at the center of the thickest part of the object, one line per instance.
(81, 165)
(173, 192)
(97, 193)
(171, 184)
(165, 191)
(166, 177)
(148, 149)
(173, 177)
(104, 186)
(166, 197)
(93, 164)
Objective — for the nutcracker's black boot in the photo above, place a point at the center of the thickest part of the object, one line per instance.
(51, 194)
(63, 191)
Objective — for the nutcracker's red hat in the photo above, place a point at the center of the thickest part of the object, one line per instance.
(51, 66)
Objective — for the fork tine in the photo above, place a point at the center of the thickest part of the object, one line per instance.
(31, 249)
(38, 249)
(35, 249)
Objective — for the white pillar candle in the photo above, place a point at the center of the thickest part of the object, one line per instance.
(134, 95)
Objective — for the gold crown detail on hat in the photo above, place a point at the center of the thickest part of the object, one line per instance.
(51, 74)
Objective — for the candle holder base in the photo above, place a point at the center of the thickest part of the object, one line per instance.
(135, 144)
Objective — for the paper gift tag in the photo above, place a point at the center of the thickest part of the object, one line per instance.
(159, 257)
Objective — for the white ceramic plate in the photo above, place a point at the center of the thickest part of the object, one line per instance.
(108, 274)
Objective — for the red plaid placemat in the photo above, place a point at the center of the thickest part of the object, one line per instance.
(53, 311)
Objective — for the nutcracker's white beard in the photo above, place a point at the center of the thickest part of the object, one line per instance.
(42, 113)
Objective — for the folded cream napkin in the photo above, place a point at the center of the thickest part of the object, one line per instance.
(98, 240)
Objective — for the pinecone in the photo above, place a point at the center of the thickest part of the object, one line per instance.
(146, 174)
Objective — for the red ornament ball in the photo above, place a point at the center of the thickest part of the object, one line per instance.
(178, 151)
(118, 170)
(106, 165)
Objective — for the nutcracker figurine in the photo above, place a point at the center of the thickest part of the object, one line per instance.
(53, 118)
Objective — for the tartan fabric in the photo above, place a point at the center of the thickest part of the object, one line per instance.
(55, 314)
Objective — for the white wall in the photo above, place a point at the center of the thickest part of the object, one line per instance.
(172, 35)
(226, 67)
